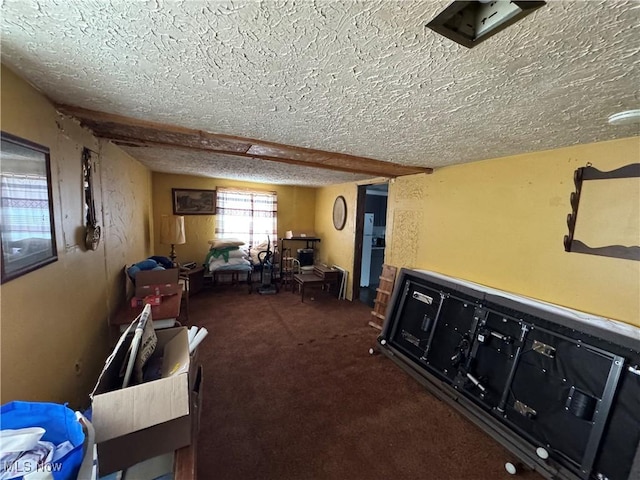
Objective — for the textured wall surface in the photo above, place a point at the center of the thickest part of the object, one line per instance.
(126, 193)
(55, 336)
(407, 196)
(502, 222)
(337, 246)
(360, 77)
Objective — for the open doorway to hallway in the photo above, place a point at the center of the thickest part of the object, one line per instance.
(373, 233)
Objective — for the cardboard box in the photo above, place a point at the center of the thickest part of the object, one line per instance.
(196, 401)
(164, 464)
(168, 309)
(155, 467)
(157, 282)
(153, 300)
(149, 419)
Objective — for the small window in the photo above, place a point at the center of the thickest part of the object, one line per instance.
(26, 207)
(250, 216)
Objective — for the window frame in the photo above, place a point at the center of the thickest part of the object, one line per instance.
(253, 237)
(42, 256)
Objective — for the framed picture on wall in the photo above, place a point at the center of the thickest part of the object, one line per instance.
(188, 201)
(27, 231)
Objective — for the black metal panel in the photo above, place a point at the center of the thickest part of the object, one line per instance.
(454, 326)
(622, 435)
(528, 374)
(496, 347)
(415, 318)
(567, 325)
(560, 384)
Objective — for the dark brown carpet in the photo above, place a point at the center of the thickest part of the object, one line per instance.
(291, 392)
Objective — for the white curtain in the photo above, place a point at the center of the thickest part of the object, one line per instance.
(250, 216)
(25, 207)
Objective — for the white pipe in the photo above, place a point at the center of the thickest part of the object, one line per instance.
(197, 339)
(191, 334)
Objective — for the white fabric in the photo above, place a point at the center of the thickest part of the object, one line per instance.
(217, 262)
(237, 254)
(225, 242)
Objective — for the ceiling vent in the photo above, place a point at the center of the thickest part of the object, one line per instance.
(470, 23)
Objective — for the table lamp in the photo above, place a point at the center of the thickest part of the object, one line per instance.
(172, 233)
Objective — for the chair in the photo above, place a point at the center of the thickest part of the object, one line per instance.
(290, 267)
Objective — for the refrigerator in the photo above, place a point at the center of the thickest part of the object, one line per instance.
(367, 242)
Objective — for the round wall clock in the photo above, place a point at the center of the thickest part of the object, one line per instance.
(339, 212)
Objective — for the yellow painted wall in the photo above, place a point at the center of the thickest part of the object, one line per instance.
(501, 223)
(296, 211)
(54, 333)
(337, 246)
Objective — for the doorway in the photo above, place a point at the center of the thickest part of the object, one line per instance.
(370, 240)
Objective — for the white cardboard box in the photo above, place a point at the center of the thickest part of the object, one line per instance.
(141, 421)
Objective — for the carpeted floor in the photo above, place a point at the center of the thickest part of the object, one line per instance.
(291, 392)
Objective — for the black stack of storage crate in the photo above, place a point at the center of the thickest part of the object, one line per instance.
(305, 256)
(558, 388)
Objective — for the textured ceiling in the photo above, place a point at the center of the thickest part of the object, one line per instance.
(190, 162)
(364, 78)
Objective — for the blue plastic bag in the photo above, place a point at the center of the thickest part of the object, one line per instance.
(60, 424)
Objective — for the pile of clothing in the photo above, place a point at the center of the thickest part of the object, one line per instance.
(151, 263)
(42, 440)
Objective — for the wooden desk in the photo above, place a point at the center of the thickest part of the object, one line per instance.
(311, 241)
(321, 275)
(194, 279)
(286, 251)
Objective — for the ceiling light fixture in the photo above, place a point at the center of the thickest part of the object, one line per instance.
(625, 118)
(470, 23)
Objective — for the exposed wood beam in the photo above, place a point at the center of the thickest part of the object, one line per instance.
(134, 132)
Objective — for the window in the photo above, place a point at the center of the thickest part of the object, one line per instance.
(250, 216)
(26, 225)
